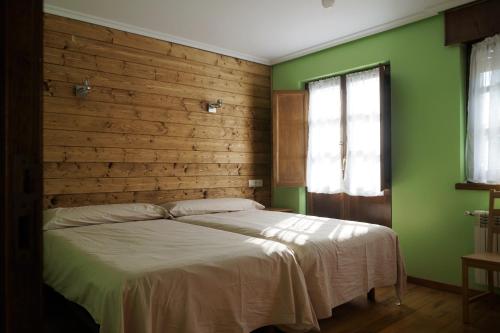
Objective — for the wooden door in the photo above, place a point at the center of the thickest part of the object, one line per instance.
(289, 137)
(378, 209)
(20, 165)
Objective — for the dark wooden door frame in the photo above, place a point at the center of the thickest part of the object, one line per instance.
(20, 166)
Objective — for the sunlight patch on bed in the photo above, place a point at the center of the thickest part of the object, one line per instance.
(290, 236)
(268, 246)
(346, 232)
(299, 224)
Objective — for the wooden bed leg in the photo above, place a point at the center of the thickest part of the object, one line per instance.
(491, 284)
(371, 295)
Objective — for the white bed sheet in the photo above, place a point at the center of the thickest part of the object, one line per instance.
(340, 259)
(165, 276)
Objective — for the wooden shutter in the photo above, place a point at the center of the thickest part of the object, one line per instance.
(289, 137)
(385, 130)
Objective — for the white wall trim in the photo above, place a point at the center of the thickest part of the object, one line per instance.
(426, 13)
(56, 10)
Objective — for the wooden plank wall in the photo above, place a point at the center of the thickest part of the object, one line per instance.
(143, 133)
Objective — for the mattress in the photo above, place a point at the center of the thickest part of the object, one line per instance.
(340, 259)
(166, 276)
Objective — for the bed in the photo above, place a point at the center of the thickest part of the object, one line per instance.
(341, 260)
(158, 275)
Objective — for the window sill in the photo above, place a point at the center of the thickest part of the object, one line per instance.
(476, 187)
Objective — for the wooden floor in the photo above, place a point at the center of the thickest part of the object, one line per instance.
(423, 310)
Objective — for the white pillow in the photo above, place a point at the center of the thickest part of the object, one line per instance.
(208, 206)
(57, 218)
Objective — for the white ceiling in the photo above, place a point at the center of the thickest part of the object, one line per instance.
(264, 31)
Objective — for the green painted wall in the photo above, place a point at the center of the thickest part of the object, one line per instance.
(427, 140)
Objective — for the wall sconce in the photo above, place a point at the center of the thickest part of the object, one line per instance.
(82, 90)
(212, 107)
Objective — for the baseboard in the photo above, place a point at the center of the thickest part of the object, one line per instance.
(435, 285)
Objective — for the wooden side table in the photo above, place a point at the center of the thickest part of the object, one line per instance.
(278, 209)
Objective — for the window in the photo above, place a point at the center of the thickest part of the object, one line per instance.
(347, 149)
(483, 126)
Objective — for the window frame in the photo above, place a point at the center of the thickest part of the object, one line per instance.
(468, 185)
(385, 119)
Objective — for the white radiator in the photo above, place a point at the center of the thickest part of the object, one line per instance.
(480, 240)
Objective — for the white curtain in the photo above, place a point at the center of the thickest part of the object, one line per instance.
(483, 124)
(362, 173)
(324, 168)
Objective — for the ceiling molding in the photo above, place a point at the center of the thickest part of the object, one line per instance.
(426, 13)
(56, 10)
(423, 14)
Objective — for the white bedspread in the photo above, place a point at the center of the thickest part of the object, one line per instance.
(340, 259)
(165, 276)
